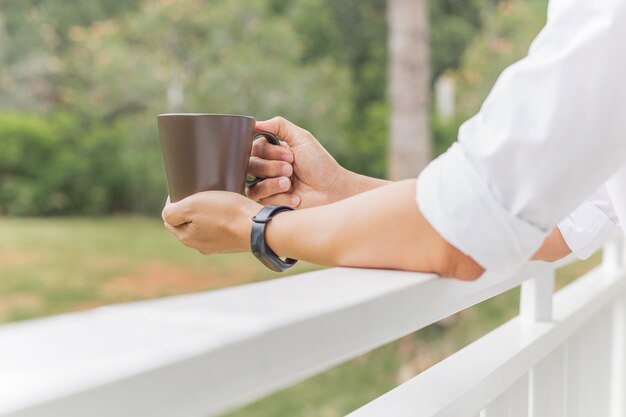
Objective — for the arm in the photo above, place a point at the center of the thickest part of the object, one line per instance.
(381, 228)
(548, 135)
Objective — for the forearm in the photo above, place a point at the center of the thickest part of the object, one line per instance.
(352, 184)
(380, 228)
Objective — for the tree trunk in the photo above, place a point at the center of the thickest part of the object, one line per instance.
(409, 81)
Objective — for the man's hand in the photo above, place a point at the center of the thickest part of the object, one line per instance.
(553, 248)
(212, 221)
(301, 174)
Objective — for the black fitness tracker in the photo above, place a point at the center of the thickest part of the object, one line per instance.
(259, 246)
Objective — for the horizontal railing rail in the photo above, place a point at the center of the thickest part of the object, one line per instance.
(206, 353)
(495, 369)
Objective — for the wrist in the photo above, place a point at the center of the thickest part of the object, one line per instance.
(258, 239)
(343, 185)
(456, 264)
(244, 225)
(350, 184)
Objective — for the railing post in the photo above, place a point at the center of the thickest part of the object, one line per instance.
(536, 305)
(618, 376)
(613, 259)
(536, 297)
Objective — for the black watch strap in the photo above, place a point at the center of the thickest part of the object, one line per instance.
(259, 246)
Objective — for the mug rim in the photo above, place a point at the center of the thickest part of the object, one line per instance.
(204, 114)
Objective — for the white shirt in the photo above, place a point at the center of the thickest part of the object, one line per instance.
(551, 132)
(590, 225)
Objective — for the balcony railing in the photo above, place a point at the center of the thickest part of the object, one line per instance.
(207, 353)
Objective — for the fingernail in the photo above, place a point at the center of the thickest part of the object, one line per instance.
(286, 170)
(288, 157)
(295, 200)
(283, 183)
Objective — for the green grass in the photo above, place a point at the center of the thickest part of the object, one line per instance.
(49, 266)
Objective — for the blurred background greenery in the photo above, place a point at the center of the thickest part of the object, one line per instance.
(82, 82)
(81, 179)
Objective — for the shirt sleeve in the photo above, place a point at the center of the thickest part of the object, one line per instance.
(549, 134)
(590, 225)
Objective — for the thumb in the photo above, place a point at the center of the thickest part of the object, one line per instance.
(176, 214)
(284, 129)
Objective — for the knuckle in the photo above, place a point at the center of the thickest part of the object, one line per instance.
(253, 163)
(253, 193)
(165, 215)
(268, 200)
(258, 147)
(261, 190)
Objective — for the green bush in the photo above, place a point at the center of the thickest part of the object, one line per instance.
(54, 165)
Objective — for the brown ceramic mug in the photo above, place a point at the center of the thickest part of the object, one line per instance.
(204, 152)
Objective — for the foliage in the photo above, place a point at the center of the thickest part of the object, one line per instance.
(113, 66)
(51, 166)
(353, 33)
(453, 25)
(34, 39)
(118, 74)
(506, 37)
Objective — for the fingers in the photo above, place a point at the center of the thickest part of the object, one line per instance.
(290, 200)
(268, 169)
(285, 130)
(263, 149)
(175, 214)
(269, 187)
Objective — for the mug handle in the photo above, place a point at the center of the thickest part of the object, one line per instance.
(271, 138)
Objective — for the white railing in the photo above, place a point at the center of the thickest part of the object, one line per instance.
(206, 353)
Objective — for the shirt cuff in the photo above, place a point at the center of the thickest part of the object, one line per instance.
(586, 229)
(457, 202)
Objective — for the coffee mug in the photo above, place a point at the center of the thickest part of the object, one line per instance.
(204, 152)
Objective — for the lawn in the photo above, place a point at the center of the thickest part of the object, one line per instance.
(50, 266)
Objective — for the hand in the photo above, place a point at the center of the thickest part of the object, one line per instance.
(301, 174)
(554, 247)
(212, 221)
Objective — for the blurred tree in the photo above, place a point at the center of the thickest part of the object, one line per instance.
(409, 82)
(35, 40)
(178, 55)
(453, 25)
(114, 65)
(505, 38)
(353, 33)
